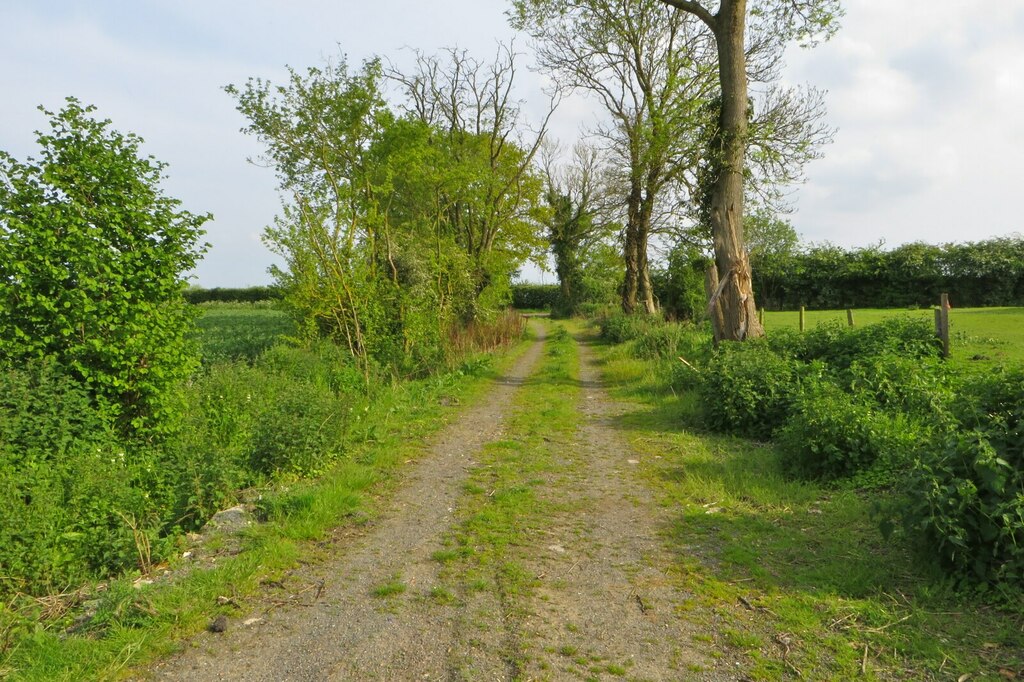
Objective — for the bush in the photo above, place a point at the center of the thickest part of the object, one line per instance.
(91, 260)
(619, 327)
(671, 340)
(747, 388)
(839, 346)
(833, 434)
(920, 386)
(70, 491)
(965, 499)
(534, 296)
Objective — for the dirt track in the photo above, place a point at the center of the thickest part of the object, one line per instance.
(604, 604)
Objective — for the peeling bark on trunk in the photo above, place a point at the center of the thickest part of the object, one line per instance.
(737, 296)
(735, 300)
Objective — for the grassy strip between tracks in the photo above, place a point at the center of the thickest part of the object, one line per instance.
(508, 498)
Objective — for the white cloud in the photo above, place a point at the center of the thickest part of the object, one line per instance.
(927, 96)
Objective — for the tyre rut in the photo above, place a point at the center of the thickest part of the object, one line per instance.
(345, 633)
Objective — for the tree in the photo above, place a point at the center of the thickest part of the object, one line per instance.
(649, 67)
(575, 222)
(92, 256)
(783, 19)
(491, 197)
(769, 236)
(395, 228)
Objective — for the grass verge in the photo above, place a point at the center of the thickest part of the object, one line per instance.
(796, 574)
(136, 623)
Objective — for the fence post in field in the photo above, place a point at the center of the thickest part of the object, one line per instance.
(760, 316)
(849, 316)
(942, 324)
(803, 321)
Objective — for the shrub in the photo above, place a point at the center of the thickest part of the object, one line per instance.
(910, 385)
(747, 388)
(299, 431)
(619, 327)
(70, 492)
(833, 434)
(840, 346)
(91, 260)
(965, 499)
(670, 340)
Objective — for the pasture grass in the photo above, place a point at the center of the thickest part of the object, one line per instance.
(240, 331)
(797, 575)
(136, 624)
(995, 335)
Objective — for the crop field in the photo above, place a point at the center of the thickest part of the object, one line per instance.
(995, 334)
(240, 331)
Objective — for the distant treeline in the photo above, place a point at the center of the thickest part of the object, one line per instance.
(229, 295)
(534, 296)
(986, 273)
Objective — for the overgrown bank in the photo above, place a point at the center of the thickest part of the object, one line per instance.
(792, 528)
(254, 428)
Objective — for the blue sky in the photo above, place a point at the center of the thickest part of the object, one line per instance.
(927, 96)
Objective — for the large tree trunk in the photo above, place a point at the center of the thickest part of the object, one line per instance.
(631, 285)
(735, 295)
(637, 294)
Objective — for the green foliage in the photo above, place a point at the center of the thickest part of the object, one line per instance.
(680, 285)
(839, 346)
(617, 327)
(91, 260)
(831, 434)
(965, 498)
(987, 273)
(70, 491)
(748, 389)
(534, 296)
(395, 230)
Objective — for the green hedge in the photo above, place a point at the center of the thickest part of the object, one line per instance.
(232, 295)
(534, 296)
(828, 277)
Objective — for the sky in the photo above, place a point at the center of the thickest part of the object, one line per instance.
(926, 96)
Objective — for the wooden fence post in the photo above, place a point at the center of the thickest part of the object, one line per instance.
(760, 317)
(849, 316)
(803, 322)
(942, 323)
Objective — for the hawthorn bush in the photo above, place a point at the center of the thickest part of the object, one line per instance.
(92, 256)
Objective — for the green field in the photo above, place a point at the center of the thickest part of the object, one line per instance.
(995, 334)
(240, 331)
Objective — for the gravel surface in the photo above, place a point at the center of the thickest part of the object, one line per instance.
(605, 605)
(349, 634)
